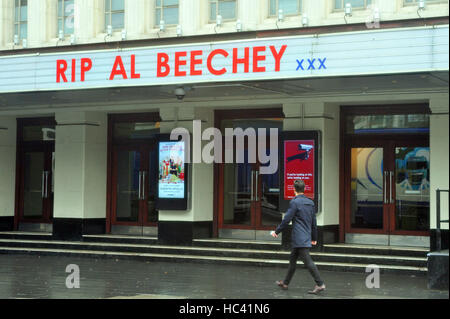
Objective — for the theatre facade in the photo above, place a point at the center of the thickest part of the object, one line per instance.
(360, 113)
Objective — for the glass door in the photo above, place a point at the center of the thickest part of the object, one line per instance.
(134, 179)
(367, 185)
(128, 185)
(388, 188)
(133, 173)
(36, 163)
(411, 190)
(249, 200)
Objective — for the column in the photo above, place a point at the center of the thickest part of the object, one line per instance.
(136, 16)
(249, 13)
(80, 174)
(187, 11)
(325, 118)
(439, 167)
(89, 19)
(6, 23)
(180, 227)
(7, 172)
(38, 18)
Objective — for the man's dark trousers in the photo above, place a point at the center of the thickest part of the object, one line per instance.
(303, 253)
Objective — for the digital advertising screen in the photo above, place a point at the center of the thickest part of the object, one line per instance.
(299, 164)
(171, 170)
(172, 177)
(300, 159)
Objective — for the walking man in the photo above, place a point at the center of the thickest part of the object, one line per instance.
(304, 234)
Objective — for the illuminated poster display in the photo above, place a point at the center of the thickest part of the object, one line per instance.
(171, 170)
(172, 177)
(300, 159)
(299, 164)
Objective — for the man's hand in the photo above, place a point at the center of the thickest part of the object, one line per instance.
(273, 234)
(314, 243)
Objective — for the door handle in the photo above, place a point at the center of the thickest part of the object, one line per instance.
(251, 185)
(385, 187)
(43, 185)
(140, 182)
(391, 183)
(46, 184)
(256, 191)
(144, 174)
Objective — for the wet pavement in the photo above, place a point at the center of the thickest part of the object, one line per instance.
(44, 277)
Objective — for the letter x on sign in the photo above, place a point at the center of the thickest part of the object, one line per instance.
(311, 64)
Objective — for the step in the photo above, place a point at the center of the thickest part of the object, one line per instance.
(238, 243)
(26, 235)
(376, 250)
(330, 266)
(121, 239)
(215, 251)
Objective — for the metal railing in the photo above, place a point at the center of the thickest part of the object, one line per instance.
(438, 218)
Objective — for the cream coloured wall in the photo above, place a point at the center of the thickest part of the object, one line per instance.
(8, 129)
(439, 150)
(201, 189)
(193, 18)
(80, 165)
(324, 117)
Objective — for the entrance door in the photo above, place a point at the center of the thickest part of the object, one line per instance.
(133, 174)
(251, 199)
(247, 201)
(134, 191)
(35, 168)
(386, 188)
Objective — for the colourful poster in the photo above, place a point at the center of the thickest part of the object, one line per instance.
(298, 164)
(171, 170)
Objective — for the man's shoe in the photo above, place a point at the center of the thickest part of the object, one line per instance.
(281, 284)
(317, 289)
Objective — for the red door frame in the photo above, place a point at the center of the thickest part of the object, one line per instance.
(143, 203)
(219, 116)
(111, 165)
(47, 147)
(388, 142)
